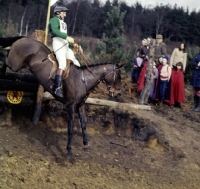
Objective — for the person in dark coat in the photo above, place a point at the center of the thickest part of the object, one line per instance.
(139, 61)
(136, 64)
(160, 47)
(195, 82)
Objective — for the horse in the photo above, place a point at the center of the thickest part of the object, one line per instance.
(32, 55)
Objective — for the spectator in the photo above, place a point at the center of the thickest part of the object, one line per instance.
(177, 95)
(139, 60)
(162, 86)
(144, 50)
(159, 63)
(179, 55)
(160, 47)
(143, 53)
(195, 82)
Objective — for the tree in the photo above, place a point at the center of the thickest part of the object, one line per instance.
(114, 35)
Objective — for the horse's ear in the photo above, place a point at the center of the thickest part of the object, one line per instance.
(119, 65)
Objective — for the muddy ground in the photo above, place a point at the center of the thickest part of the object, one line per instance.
(142, 150)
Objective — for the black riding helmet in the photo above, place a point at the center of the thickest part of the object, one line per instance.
(60, 9)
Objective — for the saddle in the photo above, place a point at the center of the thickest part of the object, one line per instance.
(52, 74)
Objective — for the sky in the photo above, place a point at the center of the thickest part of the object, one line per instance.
(191, 4)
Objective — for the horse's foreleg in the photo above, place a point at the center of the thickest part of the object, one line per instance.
(83, 120)
(70, 129)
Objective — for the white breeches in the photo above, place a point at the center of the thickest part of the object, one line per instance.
(63, 52)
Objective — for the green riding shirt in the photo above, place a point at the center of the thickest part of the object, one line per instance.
(57, 27)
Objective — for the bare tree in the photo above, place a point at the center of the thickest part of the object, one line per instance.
(78, 3)
(22, 21)
(27, 25)
(159, 20)
(144, 95)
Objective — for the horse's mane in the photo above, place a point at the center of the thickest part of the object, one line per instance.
(93, 65)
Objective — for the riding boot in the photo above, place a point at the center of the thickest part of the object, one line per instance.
(58, 80)
(195, 102)
(197, 109)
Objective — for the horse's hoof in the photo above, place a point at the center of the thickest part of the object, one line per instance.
(86, 149)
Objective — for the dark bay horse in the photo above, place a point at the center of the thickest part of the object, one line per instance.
(29, 53)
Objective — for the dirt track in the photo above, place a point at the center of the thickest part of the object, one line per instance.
(143, 150)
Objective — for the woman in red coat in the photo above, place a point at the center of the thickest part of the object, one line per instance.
(177, 95)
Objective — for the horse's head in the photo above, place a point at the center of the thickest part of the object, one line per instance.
(112, 79)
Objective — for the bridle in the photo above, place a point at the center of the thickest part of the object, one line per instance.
(114, 75)
(103, 80)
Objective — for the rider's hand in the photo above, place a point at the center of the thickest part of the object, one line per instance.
(80, 49)
(70, 39)
(76, 48)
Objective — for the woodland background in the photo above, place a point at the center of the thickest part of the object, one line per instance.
(97, 24)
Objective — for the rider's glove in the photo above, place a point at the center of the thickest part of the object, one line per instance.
(80, 49)
(70, 39)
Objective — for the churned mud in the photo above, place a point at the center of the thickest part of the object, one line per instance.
(144, 149)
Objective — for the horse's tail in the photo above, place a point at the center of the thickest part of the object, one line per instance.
(8, 41)
(3, 58)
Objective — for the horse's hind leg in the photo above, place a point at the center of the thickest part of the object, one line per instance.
(83, 120)
(4, 66)
(70, 129)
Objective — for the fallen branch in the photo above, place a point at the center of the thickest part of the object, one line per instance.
(117, 144)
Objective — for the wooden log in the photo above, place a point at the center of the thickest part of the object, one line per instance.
(130, 87)
(18, 86)
(27, 77)
(8, 41)
(114, 105)
(26, 94)
(117, 105)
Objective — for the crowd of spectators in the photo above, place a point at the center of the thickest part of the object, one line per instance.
(167, 72)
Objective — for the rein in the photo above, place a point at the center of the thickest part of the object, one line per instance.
(85, 61)
(109, 88)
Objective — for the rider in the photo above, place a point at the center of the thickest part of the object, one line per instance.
(61, 40)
